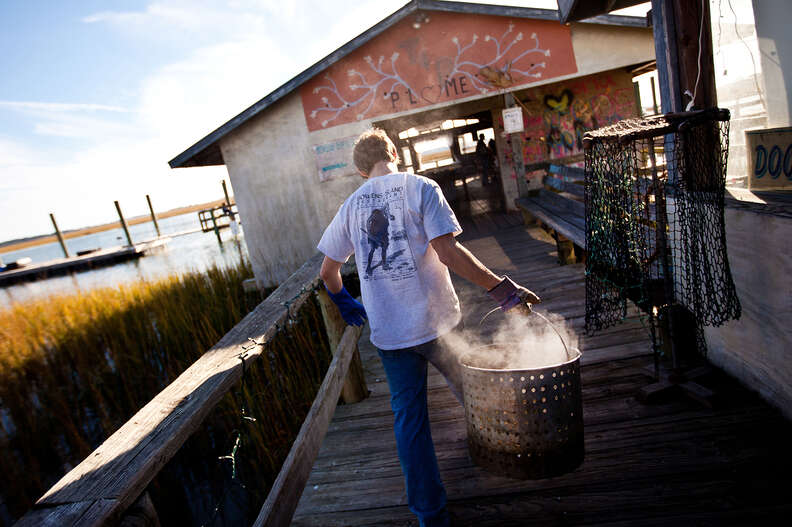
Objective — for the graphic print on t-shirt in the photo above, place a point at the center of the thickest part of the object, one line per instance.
(386, 253)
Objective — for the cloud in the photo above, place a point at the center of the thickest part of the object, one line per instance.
(229, 55)
(60, 107)
(204, 20)
(182, 15)
(72, 120)
(15, 154)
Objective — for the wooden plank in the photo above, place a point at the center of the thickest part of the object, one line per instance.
(573, 232)
(568, 173)
(288, 487)
(563, 202)
(97, 512)
(122, 466)
(142, 513)
(662, 452)
(638, 426)
(559, 183)
(354, 389)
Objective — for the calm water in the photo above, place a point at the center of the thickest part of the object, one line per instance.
(191, 252)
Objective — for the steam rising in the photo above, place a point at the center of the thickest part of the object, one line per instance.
(516, 342)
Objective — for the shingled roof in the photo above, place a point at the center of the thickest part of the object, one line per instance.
(207, 152)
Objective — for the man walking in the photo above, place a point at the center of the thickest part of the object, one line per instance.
(410, 302)
(483, 156)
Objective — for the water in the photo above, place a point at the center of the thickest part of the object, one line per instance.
(196, 251)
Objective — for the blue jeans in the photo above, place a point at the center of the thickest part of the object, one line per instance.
(406, 370)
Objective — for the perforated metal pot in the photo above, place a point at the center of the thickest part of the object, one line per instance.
(525, 424)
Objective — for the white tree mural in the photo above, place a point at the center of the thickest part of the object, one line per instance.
(508, 65)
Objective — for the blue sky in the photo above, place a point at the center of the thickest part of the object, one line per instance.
(96, 96)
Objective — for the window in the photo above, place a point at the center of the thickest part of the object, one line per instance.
(407, 159)
(433, 153)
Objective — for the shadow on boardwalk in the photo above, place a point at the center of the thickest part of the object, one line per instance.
(672, 462)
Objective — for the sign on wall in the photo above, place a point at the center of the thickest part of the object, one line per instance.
(513, 120)
(770, 159)
(334, 160)
(445, 57)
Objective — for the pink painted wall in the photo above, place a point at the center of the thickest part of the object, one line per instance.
(560, 113)
(451, 56)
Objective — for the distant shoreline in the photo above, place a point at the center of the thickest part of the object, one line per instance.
(49, 238)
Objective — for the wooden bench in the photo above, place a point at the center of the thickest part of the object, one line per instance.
(560, 208)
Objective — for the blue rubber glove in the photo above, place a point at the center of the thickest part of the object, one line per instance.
(352, 311)
(509, 295)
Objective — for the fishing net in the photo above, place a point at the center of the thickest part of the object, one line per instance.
(655, 235)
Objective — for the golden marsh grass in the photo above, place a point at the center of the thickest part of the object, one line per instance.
(74, 368)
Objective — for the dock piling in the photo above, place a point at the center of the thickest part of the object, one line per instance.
(228, 200)
(511, 100)
(123, 223)
(60, 236)
(214, 225)
(153, 216)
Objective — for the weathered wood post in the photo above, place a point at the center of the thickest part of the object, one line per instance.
(354, 389)
(228, 201)
(153, 216)
(141, 514)
(654, 96)
(60, 236)
(123, 223)
(680, 28)
(517, 150)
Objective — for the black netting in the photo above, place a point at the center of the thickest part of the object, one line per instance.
(654, 236)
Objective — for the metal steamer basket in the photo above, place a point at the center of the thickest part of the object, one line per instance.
(525, 424)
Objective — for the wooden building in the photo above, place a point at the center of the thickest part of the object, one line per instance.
(753, 73)
(434, 75)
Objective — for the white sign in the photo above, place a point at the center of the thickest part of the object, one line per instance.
(334, 160)
(512, 120)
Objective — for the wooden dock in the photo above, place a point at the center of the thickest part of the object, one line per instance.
(100, 258)
(671, 462)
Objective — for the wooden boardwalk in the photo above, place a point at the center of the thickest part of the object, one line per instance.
(92, 260)
(672, 462)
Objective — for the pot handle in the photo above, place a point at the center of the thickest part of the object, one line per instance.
(534, 312)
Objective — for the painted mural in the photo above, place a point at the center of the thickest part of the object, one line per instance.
(559, 114)
(427, 60)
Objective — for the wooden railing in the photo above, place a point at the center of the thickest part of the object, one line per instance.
(104, 485)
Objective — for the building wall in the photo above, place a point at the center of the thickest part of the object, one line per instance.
(559, 115)
(602, 48)
(598, 50)
(773, 19)
(739, 79)
(273, 168)
(757, 348)
(753, 61)
(283, 205)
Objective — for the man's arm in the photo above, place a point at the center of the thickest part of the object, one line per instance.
(463, 262)
(466, 265)
(351, 310)
(330, 273)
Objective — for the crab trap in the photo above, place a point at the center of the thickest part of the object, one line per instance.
(655, 229)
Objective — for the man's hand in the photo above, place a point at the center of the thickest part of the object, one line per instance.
(351, 310)
(510, 295)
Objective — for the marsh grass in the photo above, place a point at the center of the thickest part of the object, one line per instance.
(74, 368)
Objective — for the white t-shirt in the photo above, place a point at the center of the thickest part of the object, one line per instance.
(388, 224)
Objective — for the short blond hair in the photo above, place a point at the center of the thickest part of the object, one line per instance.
(372, 147)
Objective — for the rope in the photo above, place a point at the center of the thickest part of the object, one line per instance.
(239, 433)
(698, 72)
